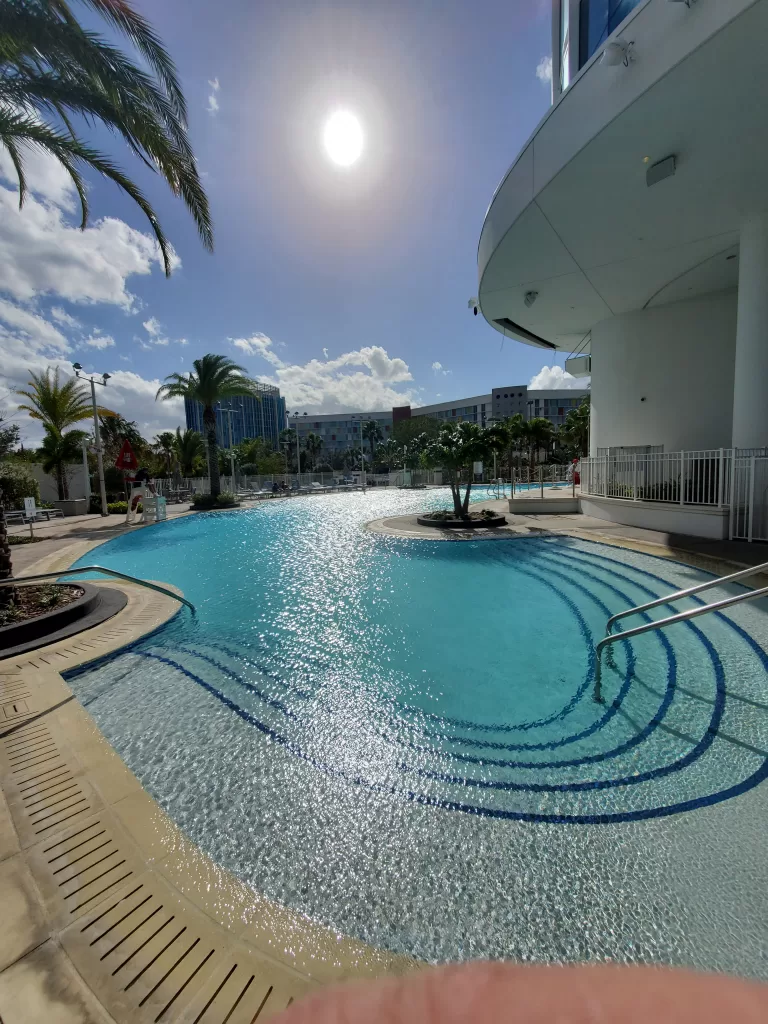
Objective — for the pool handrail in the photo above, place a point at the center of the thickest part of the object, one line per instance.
(15, 580)
(678, 595)
(690, 613)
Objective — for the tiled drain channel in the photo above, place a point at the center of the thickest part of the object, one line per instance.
(145, 951)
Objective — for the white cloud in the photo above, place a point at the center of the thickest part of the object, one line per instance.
(325, 352)
(62, 316)
(99, 341)
(39, 333)
(258, 345)
(544, 69)
(358, 380)
(152, 326)
(437, 366)
(45, 177)
(42, 254)
(213, 102)
(554, 378)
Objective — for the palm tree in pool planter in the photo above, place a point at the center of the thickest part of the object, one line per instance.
(213, 379)
(455, 449)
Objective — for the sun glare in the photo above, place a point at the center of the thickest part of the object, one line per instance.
(343, 138)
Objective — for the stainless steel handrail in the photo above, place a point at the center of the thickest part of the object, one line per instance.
(679, 594)
(99, 568)
(691, 613)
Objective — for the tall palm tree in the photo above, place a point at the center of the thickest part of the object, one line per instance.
(313, 444)
(58, 450)
(57, 406)
(189, 448)
(213, 378)
(372, 434)
(52, 68)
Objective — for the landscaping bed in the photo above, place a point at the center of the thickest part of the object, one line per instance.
(39, 615)
(444, 519)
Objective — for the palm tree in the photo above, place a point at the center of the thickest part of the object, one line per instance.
(52, 68)
(57, 406)
(287, 439)
(514, 429)
(189, 447)
(455, 449)
(313, 443)
(114, 430)
(165, 447)
(213, 378)
(56, 451)
(372, 434)
(538, 433)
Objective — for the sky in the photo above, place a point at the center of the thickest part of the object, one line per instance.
(345, 286)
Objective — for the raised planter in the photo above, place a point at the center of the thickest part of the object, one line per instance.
(462, 524)
(73, 506)
(94, 606)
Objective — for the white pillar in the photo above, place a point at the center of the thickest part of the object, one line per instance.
(750, 407)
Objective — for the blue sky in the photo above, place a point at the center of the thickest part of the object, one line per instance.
(347, 287)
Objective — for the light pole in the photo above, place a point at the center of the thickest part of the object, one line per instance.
(86, 472)
(96, 431)
(298, 455)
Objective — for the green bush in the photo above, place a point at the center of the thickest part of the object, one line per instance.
(17, 483)
(206, 501)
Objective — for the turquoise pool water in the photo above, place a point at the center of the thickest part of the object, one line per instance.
(398, 737)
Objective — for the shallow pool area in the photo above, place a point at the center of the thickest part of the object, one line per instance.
(398, 737)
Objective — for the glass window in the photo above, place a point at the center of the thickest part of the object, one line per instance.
(597, 20)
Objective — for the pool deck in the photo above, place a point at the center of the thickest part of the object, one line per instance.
(718, 556)
(110, 912)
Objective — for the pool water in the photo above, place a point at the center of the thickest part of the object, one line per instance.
(397, 737)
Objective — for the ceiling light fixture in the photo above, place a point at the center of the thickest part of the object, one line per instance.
(530, 298)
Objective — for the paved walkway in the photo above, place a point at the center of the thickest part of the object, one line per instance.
(57, 532)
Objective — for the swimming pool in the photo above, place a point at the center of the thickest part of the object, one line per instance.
(397, 736)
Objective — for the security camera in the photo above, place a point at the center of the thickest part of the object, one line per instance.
(618, 52)
(473, 304)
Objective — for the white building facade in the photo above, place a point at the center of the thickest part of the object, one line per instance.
(632, 229)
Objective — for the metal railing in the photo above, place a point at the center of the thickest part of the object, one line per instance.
(691, 613)
(678, 595)
(683, 478)
(16, 580)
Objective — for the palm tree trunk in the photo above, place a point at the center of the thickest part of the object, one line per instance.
(61, 481)
(456, 493)
(465, 506)
(209, 419)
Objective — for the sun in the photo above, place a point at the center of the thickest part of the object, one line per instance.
(343, 138)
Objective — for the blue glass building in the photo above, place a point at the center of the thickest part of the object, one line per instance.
(250, 417)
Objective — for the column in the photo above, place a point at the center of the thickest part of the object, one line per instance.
(750, 386)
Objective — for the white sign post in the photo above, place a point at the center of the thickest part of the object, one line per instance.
(29, 512)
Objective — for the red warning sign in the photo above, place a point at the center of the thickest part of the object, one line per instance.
(127, 458)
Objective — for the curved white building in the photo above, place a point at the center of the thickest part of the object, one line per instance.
(633, 226)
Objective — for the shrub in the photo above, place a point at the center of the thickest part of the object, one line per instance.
(205, 501)
(17, 483)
